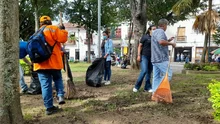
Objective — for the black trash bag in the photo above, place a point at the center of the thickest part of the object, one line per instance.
(123, 66)
(35, 87)
(95, 73)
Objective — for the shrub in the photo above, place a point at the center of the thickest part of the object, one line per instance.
(214, 89)
(202, 66)
(210, 68)
(194, 66)
(188, 66)
(26, 68)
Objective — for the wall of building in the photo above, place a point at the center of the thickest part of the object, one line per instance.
(194, 41)
(81, 46)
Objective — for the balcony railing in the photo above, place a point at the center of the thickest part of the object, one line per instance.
(181, 38)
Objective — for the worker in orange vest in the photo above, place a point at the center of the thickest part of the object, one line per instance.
(51, 69)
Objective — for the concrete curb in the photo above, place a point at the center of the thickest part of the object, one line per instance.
(199, 72)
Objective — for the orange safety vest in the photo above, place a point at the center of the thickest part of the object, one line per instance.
(53, 34)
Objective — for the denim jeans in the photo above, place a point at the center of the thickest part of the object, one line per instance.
(103, 52)
(107, 72)
(146, 69)
(46, 77)
(22, 83)
(159, 71)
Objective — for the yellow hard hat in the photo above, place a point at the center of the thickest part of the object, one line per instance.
(45, 18)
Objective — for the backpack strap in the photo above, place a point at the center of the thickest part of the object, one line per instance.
(54, 40)
(42, 29)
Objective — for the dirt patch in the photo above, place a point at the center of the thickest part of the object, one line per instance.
(117, 104)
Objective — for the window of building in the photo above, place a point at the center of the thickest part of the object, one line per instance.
(181, 34)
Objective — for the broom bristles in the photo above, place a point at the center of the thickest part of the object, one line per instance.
(162, 95)
(70, 90)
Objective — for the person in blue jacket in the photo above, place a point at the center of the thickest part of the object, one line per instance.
(22, 55)
(108, 47)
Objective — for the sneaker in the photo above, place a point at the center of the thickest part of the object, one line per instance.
(51, 110)
(104, 81)
(61, 100)
(150, 90)
(135, 90)
(107, 83)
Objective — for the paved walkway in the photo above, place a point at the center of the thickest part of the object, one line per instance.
(177, 67)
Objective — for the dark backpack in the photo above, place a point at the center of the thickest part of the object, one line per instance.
(37, 48)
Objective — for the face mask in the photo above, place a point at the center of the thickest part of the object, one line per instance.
(104, 37)
(152, 31)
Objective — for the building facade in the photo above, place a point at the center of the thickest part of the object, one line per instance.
(77, 44)
(189, 43)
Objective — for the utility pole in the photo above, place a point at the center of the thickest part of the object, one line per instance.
(78, 43)
(99, 27)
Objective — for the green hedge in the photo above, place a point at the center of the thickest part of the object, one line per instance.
(25, 67)
(214, 88)
(202, 66)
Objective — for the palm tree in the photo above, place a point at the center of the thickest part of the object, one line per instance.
(204, 23)
(181, 5)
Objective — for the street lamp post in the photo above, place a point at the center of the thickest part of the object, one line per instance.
(78, 43)
(99, 26)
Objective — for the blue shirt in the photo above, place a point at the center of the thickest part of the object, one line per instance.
(108, 49)
(22, 49)
(159, 53)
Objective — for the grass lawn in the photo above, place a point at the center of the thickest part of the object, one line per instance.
(117, 104)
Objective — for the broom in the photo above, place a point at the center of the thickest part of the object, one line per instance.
(69, 85)
(163, 92)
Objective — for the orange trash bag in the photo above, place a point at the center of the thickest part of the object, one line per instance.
(163, 92)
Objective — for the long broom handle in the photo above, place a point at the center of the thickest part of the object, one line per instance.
(170, 56)
(170, 60)
(65, 56)
(61, 15)
(61, 23)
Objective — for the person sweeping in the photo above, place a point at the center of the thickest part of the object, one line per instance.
(160, 58)
(50, 70)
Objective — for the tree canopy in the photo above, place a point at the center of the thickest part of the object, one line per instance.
(157, 9)
(85, 13)
(27, 10)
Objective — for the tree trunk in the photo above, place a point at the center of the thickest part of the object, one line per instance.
(36, 16)
(138, 12)
(10, 109)
(209, 31)
(208, 50)
(89, 46)
(129, 41)
(210, 5)
(204, 49)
